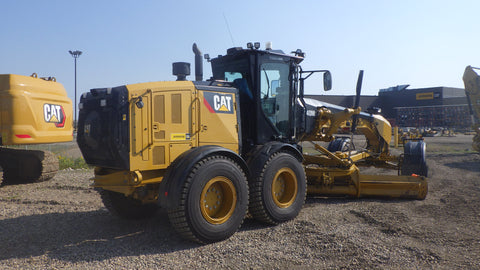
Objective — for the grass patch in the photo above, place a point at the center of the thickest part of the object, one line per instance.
(73, 163)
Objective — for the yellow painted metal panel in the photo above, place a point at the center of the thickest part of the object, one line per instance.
(164, 120)
(384, 128)
(176, 108)
(33, 110)
(146, 129)
(176, 149)
(176, 117)
(158, 155)
(218, 120)
(159, 112)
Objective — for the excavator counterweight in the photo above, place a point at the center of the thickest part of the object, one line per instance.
(32, 111)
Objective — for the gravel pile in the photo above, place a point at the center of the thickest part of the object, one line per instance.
(62, 224)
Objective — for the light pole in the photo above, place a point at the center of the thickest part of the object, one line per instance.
(75, 55)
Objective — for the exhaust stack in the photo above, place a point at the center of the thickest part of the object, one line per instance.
(198, 63)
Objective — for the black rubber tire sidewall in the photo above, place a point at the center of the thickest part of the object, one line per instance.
(206, 170)
(342, 144)
(274, 214)
(415, 161)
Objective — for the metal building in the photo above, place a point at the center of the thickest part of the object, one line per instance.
(445, 107)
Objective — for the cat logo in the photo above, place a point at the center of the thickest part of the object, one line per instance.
(54, 114)
(218, 103)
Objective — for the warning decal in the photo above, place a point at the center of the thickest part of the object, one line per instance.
(179, 136)
(218, 103)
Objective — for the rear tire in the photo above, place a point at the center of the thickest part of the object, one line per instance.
(126, 208)
(213, 202)
(277, 193)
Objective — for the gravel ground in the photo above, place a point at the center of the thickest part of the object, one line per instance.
(63, 224)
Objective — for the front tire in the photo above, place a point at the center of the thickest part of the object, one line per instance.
(342, 144)
(414, 159)
(213, 202)
(277, 193)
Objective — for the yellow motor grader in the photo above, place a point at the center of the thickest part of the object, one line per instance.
(472, 89)
(209, 151)
(33, 110)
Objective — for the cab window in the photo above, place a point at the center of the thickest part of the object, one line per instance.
(232, 76)
(275, 94)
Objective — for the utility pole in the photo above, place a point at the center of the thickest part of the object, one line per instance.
(75, 55)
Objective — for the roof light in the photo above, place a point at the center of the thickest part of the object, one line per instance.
(268, 45)
(249, 45)
(257, 45)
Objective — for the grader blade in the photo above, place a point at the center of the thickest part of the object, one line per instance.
(392, 186)
(413, 187)
(348, 181)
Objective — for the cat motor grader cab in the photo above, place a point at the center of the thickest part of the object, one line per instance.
(472, 89)
(32, 111)
(209, 151)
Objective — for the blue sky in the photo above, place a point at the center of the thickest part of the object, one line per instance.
(421, 43)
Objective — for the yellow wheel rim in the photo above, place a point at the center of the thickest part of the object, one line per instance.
(284, 188)
(218, 200)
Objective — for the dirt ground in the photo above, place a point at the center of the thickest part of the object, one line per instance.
(63, 224)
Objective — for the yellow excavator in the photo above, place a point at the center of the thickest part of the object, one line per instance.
(209, 151)
(33, 110)
(472, 89)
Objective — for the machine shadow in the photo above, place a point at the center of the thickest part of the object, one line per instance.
(87, 236)
(97, 235)
(471, 165)
(250, 224)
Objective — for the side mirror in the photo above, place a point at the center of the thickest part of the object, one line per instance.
(327, 80)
